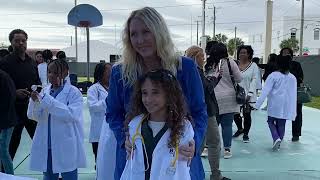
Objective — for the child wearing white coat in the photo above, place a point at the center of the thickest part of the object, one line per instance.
(101, 137)
(58, 143)
(281, 90)
(157, 125)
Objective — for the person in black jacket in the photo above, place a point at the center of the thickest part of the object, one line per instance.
(24, 73)
(8, 119)
(212, 137)
(296, 70)
(270, 67)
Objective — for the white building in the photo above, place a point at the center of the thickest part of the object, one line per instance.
(98, 51)
(289, 26)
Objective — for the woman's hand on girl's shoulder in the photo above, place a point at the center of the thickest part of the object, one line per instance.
(128, 146)
(187, 151)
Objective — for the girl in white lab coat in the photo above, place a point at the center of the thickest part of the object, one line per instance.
(58, 141)
(101, 137)
(97, 95)
(157, 125)
(281, 90)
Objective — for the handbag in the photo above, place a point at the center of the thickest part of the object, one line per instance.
(240, 92)
(303, 94)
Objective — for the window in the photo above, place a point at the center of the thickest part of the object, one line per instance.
(316, 34)
(293, 33)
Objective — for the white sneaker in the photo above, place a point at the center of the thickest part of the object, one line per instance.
(204, 152)
(227, 154)
(276, 145)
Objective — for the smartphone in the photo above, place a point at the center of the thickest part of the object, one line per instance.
(37, 88)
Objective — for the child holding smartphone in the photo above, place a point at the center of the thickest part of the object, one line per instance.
(58, 141)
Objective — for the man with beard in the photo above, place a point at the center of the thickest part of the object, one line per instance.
(23, 71)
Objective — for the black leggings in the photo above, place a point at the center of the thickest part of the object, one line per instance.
(246, 122)
(95, 149)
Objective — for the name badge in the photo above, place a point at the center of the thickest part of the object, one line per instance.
(171, 170)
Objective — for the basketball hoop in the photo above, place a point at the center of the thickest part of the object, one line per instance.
(84, 24)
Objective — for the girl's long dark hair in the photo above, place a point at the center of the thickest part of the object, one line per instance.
(176, 107)
(99, 70)
(217, 52)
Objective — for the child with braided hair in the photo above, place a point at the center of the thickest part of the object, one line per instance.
(58, 141)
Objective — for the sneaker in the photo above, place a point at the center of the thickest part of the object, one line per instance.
(238, 133)
(246, 138)
(225, 178)
(204, 152)
(276, 144)
(295, 139)
(227, 154)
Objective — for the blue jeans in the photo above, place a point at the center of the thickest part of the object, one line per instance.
(226, 125)
(5, 158)
(49, 175)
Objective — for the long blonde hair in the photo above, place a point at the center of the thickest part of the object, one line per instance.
(132, 61)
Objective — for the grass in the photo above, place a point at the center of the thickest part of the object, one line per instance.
(82, 79)
(315, 103)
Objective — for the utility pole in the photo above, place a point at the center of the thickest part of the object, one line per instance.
(235, 42)
(191, 31)
(214, 22)
(203, 38)
(267, 47)
(301, 27)
(76, 35)
(197, 33)
(115, 35)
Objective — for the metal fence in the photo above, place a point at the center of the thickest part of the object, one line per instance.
(311, 70)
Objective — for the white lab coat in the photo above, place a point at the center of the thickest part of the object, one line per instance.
(96, 98)
(161, 158)
(281, 90)
(42, 71)
(67, 139)
(106, 157)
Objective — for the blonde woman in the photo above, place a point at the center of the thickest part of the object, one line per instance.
(148, 46)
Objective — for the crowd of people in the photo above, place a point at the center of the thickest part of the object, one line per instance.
(152, 114)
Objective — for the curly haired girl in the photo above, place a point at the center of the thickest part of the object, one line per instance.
(157, 124)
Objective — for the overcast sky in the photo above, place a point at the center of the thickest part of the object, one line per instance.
(46, 20)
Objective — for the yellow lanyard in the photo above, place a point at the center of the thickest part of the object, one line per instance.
(138, 134)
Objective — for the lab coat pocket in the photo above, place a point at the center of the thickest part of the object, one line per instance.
(68, 152)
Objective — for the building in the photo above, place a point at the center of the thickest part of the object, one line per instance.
(289, 27)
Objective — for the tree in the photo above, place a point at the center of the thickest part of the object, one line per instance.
(232, 45)
(221, 38)
(292, 43)
(208, 38)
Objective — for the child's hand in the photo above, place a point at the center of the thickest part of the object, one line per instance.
(34, 96)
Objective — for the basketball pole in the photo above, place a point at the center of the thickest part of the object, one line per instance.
(88, 53)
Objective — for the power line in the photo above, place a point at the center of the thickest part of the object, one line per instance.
(171, 25)
(120, 9)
